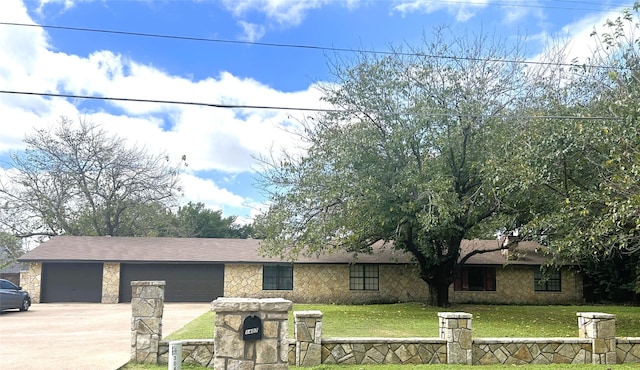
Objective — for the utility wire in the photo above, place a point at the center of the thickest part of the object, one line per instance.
(303, 109)
(540, 6)
(313, 47)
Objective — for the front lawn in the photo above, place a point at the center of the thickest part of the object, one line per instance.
(418, 320)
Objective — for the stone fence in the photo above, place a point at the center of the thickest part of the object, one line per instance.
(596, 342)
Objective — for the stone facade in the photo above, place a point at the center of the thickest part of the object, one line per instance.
(31, 280)
(268, 352)
(522, 351)
(110, 282)
(147, 308)
(371, 351)
(515, 285)
(194, 352)
(628, 350)
(327, 283)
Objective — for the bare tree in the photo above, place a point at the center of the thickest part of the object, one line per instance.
(77, 179)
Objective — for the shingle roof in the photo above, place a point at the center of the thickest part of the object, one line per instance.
(210, 250)
(527, 253)
(182, 250)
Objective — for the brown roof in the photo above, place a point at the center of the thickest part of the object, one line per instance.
(211, 250)
(526, 253)
(183, 250)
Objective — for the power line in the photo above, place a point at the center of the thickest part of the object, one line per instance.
(539, 6)
(312, 47)
(302, 109)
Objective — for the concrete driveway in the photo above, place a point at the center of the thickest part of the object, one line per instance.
(78, 335)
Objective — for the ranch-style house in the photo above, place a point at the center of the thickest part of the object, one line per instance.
(100, 269)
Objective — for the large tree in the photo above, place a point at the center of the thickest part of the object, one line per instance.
(195, 220)
(77, 179)
(404, 159)
(587, 168)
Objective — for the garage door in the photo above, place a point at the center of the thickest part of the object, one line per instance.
(71, 282)
(184, 282)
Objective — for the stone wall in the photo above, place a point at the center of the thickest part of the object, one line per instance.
(194, 352)
(325, 283)
(110, 282)
(515, 285)
(596, 344)
(31, 280)
(522, 351)
(373, 351)
(628, 350)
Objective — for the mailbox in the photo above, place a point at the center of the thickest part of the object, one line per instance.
(252, 328)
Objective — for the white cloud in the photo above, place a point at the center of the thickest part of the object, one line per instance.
(217, 139)
(522, 10)
(463, 11)
(251, 32)
(197, 189)
(576, 37)
(284, 12)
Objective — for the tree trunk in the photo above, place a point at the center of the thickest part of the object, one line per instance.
(439, 292)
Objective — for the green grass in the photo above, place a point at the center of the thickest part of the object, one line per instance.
(200, 328)
(418, 320)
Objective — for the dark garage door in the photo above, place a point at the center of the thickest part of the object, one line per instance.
(184, 282)
(71, 282)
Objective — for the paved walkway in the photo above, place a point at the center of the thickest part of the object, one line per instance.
(78, 335)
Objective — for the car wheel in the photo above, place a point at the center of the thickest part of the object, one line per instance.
(25, 305)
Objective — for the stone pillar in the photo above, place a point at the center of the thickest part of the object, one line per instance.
(31, 279)
(455, 328)
(271, 352)
(308, 333)
(147, 306)
(110, 282)
(601, 329)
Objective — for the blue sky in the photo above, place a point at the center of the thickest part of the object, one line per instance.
(220, 144)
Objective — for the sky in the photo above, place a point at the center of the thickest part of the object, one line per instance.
(268, 53)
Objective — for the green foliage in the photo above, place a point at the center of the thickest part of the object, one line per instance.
(403, 161)
(583, 173)
(195, 220)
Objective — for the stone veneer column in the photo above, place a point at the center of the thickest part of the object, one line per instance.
(147, 306)
(308, 333)
(31, 280)
(110, 282)
(455, 328)
(232, 352)
(601, 328)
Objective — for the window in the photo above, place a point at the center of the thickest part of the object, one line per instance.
(476, 279)
(7, 285)
(549, 282)
(364, 277)
(277, 277)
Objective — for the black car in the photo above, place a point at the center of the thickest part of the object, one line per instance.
(12, 297)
